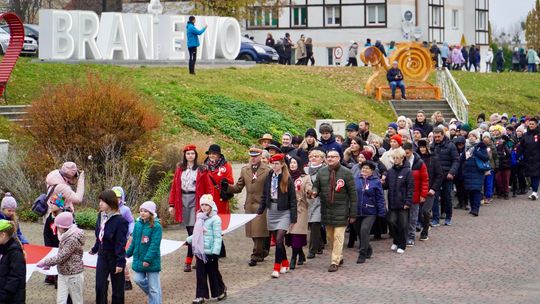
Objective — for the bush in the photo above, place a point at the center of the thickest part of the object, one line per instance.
(77, 119)
(27, 215)
(86, 218)
(13, 178)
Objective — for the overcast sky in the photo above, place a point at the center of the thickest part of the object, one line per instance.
(506, 12)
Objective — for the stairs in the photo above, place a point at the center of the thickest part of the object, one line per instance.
(409, 108)
(15, 113)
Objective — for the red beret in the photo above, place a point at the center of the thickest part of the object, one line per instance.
(277, 157)
(190, 148)
(397, 138)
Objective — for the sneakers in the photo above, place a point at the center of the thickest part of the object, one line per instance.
(275, 274)
(533, 196)
(333, 268)
(400, 251)
(424, 237)
(223, 296)
(435, 224)
(393, 247)
(448, 222)
(410, 243)
(198, 301)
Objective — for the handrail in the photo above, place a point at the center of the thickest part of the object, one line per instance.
(453, 94)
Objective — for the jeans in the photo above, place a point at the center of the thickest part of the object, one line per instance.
(488, 185)
(192, 59)
(531, 68)
(336, 237)
(209, 273)
(105, 268)
(413, 218)
(446, 198)
(150, 285)
(315, 239)
(363, 226)
(70, 286)
(475, 196)
(396, 84)
(425, 214)
(398, 222)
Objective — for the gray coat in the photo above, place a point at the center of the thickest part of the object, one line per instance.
(314, 205)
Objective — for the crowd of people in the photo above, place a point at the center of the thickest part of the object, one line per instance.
(307, 192)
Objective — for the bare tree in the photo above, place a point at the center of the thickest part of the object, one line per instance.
(27, 10)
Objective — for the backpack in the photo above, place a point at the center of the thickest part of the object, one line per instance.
(40, 205)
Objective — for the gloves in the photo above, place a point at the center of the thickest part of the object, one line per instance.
(224, 185)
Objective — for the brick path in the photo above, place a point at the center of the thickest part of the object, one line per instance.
(490, 259)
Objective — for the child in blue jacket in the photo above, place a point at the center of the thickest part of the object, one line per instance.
(206, 242)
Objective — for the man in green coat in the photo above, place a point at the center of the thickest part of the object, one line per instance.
(335, 186)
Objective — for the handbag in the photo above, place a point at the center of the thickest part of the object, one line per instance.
(40, 205)
(482, 165)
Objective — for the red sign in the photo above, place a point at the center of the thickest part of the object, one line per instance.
(338, 52)
(16, 42)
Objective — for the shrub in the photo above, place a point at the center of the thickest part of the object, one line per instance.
(86, 218)
(13, 178)
(27, 215)
(78, 118)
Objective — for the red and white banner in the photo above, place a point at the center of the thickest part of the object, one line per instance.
(36, 253)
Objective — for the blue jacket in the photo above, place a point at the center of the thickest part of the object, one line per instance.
(370, 196)
(331, 144)
(212, 234)
(145, 246)
(474, 177)
(192, 34)
(20, 236)
(114, 238)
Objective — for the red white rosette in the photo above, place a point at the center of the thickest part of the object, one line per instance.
(298, 183)
(339, 184)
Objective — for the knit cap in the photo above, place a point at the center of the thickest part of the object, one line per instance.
(9, 202)
(150, 207)
(64, 220)
(393, 125)
(69, 169)
(486, 134)
(5, 224)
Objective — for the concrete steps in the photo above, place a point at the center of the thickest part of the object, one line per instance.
(409, 108)
(15, 114)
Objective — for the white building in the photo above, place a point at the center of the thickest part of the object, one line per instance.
(334, 23)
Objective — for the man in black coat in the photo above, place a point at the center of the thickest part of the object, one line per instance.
(530, 149)
(447, 153)
(395, 79)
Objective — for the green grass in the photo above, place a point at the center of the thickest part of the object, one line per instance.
(234, 106)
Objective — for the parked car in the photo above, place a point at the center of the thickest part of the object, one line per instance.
(30, 46)
(253, 51)
(30, 30)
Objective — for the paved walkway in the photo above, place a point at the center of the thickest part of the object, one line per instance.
(494, 258)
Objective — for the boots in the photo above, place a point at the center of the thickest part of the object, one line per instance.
(293, 260)
(302, 257)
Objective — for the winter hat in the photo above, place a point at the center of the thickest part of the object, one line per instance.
(311, 132)
(9, 202)
(352, 127)
(119, 191)
(150, 207)
(483, 126)
(393, 125)
(486, 134)
(504, 116)
(494, 119)
(475, 133)
(69, 169)
(208, 199)
(421, 131)
(326, 128)
(64, 220)
(459, 140)
(58, 200)
(397, 138)
(402, 118)
(521, 129)
(497, 128)
(367, 154)
(513, 119)
(466, 127)
(452, 127)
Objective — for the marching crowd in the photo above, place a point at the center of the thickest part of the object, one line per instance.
(307, 192)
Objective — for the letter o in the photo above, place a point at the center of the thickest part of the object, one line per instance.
(228, 45)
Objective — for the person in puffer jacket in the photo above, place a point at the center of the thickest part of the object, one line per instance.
(370, 196)
(62, 180)
(206, 242)
(68, 259)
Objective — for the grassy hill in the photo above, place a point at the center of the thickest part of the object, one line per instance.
(234, 106)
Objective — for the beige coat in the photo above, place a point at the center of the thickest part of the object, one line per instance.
(301, 226)
(254, 190)
(300, 49)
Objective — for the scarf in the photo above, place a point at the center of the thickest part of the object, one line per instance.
(332, 183)
(274, 186)
(213, 165)
(104, 218)
(296, 174)
(197, 241)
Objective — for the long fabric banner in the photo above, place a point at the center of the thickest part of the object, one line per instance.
(36, 253)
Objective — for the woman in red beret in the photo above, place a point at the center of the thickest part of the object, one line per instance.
(189, 184)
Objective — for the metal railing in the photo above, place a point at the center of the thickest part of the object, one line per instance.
(453, 94)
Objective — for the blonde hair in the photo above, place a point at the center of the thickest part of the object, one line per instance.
(399, 152)
(304, 144)
(318, 153)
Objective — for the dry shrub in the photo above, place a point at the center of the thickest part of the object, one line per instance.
(79, 118)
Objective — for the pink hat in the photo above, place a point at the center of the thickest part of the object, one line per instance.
(64, 220)
(150, 207)
(69, 169)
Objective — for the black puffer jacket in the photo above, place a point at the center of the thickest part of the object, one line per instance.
(400, 185)
(434, 171)
(12, 273)
(448, 155)
(530, 148)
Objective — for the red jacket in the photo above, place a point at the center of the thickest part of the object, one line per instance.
(223, 172)
(421, 179)
(203, 186)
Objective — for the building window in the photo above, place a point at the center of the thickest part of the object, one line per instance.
(333, 15)
(376, 14)
(482, 17)
(455, 19)
(436, 15)
(436, 20)
(299, 16)
(263, 17)
(482, 13)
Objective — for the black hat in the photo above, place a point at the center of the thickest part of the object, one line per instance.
(311, 132)
(214, 148)
(352, 127)
(273, 147)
